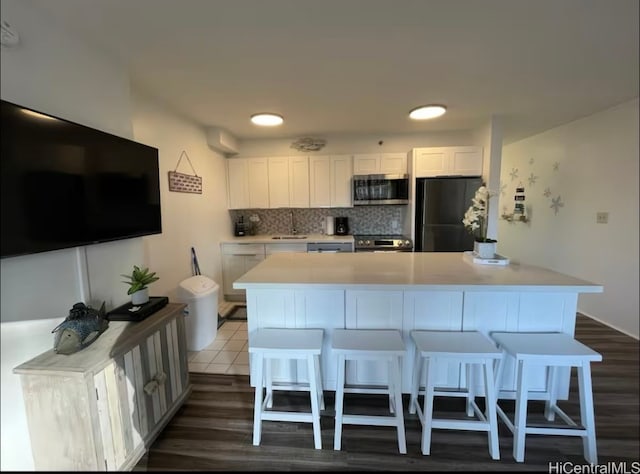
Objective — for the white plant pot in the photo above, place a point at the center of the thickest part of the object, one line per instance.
(140, 297)
(485, 249)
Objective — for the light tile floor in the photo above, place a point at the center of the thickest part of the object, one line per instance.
(227, 354)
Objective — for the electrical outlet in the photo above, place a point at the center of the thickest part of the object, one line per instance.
(602, 217)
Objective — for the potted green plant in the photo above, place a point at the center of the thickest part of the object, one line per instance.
(138, 283)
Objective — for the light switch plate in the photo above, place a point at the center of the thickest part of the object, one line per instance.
(602, 217)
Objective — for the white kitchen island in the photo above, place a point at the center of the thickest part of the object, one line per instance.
(406, 291)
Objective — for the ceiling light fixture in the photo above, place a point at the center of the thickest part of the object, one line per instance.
(425, 112)
(267, 119)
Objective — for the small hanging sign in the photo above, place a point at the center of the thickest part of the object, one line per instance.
(185, 183)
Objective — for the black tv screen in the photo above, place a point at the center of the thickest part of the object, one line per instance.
(68, 185)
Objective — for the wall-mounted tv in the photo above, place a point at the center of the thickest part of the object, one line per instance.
(68, 185)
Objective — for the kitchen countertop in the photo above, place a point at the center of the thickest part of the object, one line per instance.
(268, 239)
(404, 270)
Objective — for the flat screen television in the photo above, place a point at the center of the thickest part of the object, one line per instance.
(68, 185)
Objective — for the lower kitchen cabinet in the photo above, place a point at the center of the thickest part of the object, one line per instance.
(100, 408)
(238, 259)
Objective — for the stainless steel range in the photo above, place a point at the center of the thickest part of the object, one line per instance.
(382, 243)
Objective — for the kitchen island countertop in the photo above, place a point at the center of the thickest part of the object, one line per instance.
(405, 270)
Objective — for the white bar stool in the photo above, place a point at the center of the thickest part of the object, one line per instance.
(468, 348)
(372, 345)
(551, 350)
(269, 344)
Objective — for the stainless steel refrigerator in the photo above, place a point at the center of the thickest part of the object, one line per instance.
(440, 207)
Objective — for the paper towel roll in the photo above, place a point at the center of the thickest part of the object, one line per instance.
(330, 225)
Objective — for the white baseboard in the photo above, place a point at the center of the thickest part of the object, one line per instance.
(634, 336)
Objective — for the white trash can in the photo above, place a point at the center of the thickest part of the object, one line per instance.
(201, 295)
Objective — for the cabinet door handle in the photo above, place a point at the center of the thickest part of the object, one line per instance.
(151, 387)
(245, 255)
(160, 377)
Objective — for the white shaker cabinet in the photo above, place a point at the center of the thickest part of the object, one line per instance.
(258, 171)
(247, 183)
(447, 161)
(99, 408)
(298, 181)
(288, 181)
(278, 168)
(380, 163)
(330, 181)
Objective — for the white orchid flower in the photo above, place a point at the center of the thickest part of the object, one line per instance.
(477, 215)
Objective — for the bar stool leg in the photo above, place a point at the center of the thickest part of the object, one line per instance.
(427, 411)
(415, 381)
(520, 419)
(470, 388)
(586, 413)
(391, 386)
(269, 381)
(318, 375)
(313, 395)
(549, 405)
(337, 437)
(257, 410)
(394, 379)
(490, 409)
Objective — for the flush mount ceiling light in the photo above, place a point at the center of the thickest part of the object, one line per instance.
(425, 112)
(267, 119)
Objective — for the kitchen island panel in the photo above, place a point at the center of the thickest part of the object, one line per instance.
(366, 309)
(323, 309)
(492, 311)
(272, 309)
(288, 308)
(431, 311)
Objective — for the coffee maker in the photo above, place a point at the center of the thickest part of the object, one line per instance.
(240, 228)
(342, 226)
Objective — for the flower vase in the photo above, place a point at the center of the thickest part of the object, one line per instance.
(140, 297)
(484, 249)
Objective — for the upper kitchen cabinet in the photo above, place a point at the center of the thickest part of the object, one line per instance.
(288, 181)
(330, 181)
(247, 183)
(447, 161)
(380, 163)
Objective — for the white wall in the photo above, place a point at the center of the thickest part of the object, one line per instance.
(489, 137)
(590, 165)
(188, 220)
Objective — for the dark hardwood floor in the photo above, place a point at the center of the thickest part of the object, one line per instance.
(213, 430)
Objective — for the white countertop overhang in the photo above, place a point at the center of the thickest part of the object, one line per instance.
(406, 271)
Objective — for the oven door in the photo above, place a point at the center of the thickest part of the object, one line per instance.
(390, 250)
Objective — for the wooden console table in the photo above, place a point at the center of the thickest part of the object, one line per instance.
(100, 408)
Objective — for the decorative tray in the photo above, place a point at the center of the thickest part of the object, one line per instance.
(129, 312)
(498, 259)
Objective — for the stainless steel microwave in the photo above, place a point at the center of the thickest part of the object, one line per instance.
(377, 189)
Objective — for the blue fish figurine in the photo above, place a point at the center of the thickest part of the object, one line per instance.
(82, 327)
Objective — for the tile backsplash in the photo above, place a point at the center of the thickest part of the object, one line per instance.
(362, 219)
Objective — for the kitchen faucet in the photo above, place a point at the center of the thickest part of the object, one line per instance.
(293, 225)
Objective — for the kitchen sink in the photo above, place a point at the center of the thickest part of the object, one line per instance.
(287, 237)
